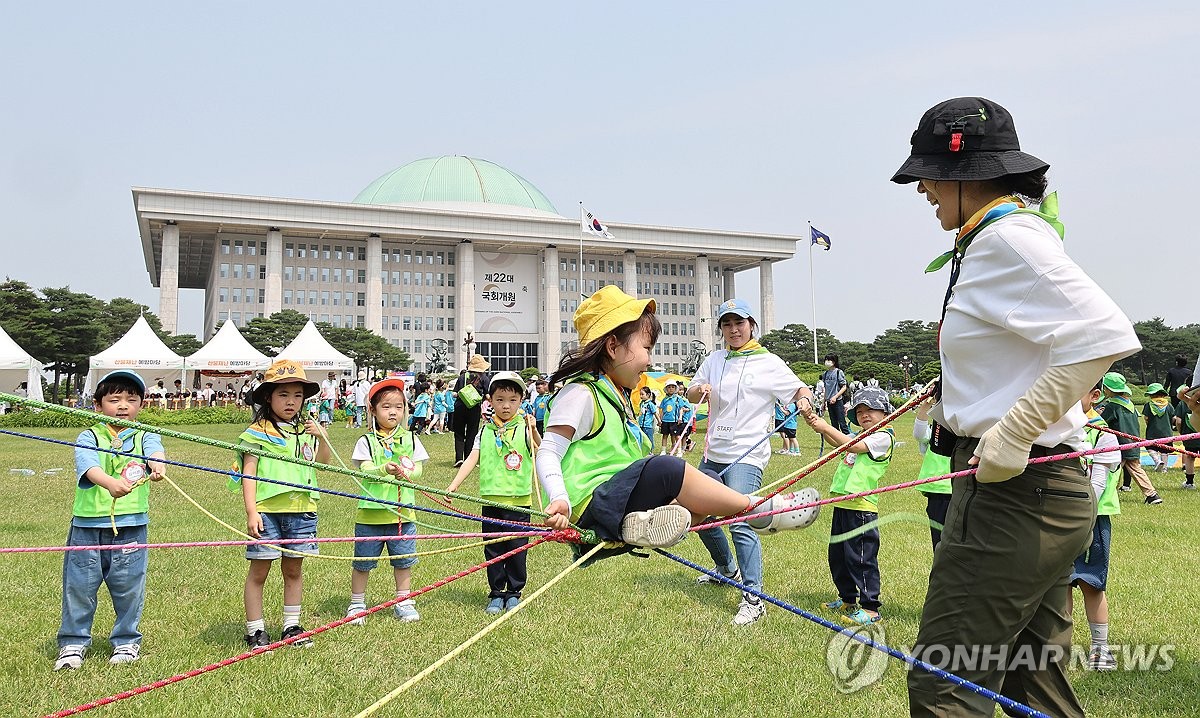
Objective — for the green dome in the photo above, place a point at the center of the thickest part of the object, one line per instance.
(454, 179)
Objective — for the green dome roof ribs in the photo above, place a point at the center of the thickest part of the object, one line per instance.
(453, 178)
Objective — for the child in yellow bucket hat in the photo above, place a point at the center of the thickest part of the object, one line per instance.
(593, 461)
(275, 511)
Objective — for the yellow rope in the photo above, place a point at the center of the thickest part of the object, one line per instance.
(371, 709)
(302, 554)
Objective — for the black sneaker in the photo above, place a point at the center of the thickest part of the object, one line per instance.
(291, 631)
(1154, 499)
(258, 639)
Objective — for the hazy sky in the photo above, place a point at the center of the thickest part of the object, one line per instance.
(718, 115)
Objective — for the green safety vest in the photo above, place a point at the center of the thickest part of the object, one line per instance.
(610, 445)
(385, 490)
(1108, 504)
(934, 464)
(95, 500)
(300, 446)
(496, 478)
(862, 475)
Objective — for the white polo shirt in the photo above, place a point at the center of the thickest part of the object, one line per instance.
(743, 398)
(1021, 305)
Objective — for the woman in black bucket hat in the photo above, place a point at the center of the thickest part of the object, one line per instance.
(1024, 334)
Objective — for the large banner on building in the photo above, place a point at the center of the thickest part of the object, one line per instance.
(506, 293)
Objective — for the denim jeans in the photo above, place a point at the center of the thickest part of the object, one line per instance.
(744, 478)
(123, 571)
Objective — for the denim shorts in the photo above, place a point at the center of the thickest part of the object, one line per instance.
(395, 547)
(285, 526)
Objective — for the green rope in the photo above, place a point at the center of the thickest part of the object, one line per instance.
(215, 443)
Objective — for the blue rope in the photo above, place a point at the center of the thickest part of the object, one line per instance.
(304, 487)
(1004, 701)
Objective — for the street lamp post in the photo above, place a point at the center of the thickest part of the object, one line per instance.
(907, 365)
(468, 342)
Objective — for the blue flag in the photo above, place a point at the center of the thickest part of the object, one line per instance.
(819, 238)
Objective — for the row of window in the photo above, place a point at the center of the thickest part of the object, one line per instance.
(237, 246)
(349, 299)
(416, 324)
(226, 295)
(429, 301)
(326, 274)
(439, 279)
(251, 270)
(411, 256)
(325, 251)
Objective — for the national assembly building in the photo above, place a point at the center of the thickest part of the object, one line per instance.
(451, 250)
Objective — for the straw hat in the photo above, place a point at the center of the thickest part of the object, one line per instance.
(478, 363)
(284, 371)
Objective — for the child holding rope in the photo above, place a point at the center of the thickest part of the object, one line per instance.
(388, 449)
(1160, 419)
(1119, 413)
(853, 538)
(937, 493)
(111, 507)
(593, 461)
(1090, 573)
(275, 511)
(504, 451)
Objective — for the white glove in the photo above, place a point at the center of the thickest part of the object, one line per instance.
(1003, 450)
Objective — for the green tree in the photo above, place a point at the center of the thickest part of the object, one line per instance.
(365, 347)
(530, 372)
(75, 319)
(1160, 345)
(26, 318)
(914, 339)
(271, 334)
(929, 371)
(889, 375)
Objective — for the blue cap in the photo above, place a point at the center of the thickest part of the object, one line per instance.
(734, 306)
(132, 376)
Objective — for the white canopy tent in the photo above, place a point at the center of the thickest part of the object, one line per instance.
(310, 350)
(227, 351)
(16, 366)
(139, 351)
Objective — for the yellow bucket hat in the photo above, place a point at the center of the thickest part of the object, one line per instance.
(606, 310)
(284, 371)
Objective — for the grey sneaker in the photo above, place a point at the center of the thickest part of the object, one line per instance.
(660, 527)
(705, 580)
(70, 657)
(1101, 659)
(749, 610)
(125, 653)
(406, 611)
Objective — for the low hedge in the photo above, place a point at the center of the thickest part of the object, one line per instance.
(152, 416)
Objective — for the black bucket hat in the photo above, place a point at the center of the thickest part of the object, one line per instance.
(965, 139)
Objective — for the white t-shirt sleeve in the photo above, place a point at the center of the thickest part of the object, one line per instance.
(704, 373)
(784, 380)
(475, 444)
(362, 451)
(419, 452)
(878, 444)
(921, 432)
(1111, 459)
(572, 407)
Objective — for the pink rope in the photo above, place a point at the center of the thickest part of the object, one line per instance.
(909, 484)
(259, 542)
(1167, 441)
(320, 629)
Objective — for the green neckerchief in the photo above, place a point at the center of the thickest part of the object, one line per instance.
(749, 349)
(1155, 409)
(1121, 401)
(1048, 211)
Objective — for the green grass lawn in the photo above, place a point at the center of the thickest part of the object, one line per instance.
(628, 636)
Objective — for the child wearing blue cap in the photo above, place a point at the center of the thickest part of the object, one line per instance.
(111, 508)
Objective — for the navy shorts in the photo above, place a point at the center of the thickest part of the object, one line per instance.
(396, 548)
(1092, 567)
(285, 526)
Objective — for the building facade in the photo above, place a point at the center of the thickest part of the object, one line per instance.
(449, 252)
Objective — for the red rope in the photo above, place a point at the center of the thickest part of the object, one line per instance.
(1166, 447)
(561, 536)
(258, 542)
(909, 484)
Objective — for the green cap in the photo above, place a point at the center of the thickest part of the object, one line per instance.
(1115, 383)
(1155, 388)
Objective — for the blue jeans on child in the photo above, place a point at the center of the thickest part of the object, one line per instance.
(371, 550)
(122, 570)
(746, 479)
(285, 526)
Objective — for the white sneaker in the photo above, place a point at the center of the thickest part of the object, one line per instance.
(749, 610)
(705, 580)
(660, 527)
(70, 657)
(356, 608)
(125, 653)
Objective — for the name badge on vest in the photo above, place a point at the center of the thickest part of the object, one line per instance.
(307, 452)
(723, 429)
(118, 443)
(133, 472)
(407, 465)
(512, 461)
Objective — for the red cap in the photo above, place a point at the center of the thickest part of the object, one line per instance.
(385, 384)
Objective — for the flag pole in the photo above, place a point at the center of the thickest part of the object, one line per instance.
(581, 221)
(812, 287)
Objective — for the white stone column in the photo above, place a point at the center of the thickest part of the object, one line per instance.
(466, 291)
(766, 295)
(704, 312)
(551, 352)
(274, 260)
(168, 279)
(374, 284)
(631, 280)
(729, 290)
